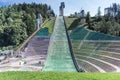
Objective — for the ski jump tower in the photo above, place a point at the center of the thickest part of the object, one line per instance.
(61, 8)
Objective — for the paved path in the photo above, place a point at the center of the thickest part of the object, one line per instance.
(59, 56)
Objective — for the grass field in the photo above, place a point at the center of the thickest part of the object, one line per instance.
(50, 25)
(69, 21)
(58, 76)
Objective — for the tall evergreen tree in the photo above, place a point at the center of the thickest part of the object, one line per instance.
(88, 20)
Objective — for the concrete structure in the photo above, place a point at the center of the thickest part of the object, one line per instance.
(39, 20)
(61, 8)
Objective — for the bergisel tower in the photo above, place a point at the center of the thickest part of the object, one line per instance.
(61, 8)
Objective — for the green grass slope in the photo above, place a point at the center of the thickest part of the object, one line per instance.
(81, 33)
(58, 76)
(50, 25)
(69, 21)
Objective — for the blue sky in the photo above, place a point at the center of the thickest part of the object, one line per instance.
(71, 5)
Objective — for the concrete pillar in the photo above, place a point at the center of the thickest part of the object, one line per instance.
(39, 21)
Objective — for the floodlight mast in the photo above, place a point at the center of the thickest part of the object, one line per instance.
(61, 9)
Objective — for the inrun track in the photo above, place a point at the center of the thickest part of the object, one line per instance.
(59, 55)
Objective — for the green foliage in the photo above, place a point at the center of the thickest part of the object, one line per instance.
(98, 16)
(69, 21)
(88, 17)
(74, 24)
(88, 20)
(109, 23)
(17, 22)
(109, 27)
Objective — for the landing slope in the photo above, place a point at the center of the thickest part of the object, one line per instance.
(81, 33)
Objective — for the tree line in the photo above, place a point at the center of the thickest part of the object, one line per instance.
(109, 23)
(18, 22)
